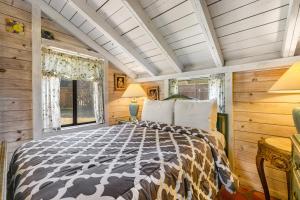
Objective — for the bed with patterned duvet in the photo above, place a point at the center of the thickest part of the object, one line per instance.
(146, 160)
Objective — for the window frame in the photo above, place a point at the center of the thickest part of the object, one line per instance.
(193, 82)
(74, 107)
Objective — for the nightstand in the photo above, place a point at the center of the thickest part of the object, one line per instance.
(295, 175)
(278, 152)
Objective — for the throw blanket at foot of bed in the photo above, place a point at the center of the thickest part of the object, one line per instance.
(131, 161)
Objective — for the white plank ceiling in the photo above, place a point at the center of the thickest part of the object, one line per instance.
(246, 30)
(249, 30)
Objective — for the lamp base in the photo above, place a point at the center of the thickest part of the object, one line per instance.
(133, 110)
(296, 116)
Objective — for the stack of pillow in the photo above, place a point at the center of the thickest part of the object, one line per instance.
(188, 113)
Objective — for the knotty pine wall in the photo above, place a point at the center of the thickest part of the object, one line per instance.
(258, 114)
(15, 78)
(118, 107)
(15, 81)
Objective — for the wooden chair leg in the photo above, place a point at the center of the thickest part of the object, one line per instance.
(261, 173)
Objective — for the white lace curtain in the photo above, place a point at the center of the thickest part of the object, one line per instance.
(50, 99)
(56, 66)
(216, 85)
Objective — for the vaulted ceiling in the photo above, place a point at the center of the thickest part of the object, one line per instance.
(158, 37)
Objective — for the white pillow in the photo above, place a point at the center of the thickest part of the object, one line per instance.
(158, 111)
(196, 114)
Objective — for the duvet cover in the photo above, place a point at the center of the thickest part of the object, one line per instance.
(146, 160)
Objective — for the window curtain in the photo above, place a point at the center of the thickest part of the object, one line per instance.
(216, 84)
(173, 87)
(98, 95)
(50, 106)
(56, 66)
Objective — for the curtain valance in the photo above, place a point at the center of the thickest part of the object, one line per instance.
(56, 64)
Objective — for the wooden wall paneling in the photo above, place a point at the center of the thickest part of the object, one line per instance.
(11, 42)
(15, 81)
(276, 119)
(264, 97)
(258, 114)
(24, 5)
(10, 10)
(272, 108)
(65, 38)
(117, 106)
(16, 54)
(51, 25)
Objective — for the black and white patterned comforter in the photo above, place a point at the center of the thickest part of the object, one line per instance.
(143, 161)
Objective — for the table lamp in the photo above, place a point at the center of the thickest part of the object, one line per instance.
(289, 82)
(133, 91)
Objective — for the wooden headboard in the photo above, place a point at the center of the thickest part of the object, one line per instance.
(222, 121)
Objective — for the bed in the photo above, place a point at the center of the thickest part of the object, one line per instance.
(144, 160)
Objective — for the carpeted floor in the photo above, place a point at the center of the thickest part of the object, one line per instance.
(242, 194)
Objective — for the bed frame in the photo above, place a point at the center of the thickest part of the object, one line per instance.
(222, 121)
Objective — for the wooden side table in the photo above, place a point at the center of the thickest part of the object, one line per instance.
(278, 152)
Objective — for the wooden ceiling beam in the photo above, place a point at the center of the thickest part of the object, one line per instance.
(202, 13)
(94, 18)
(59, 19)
(261, 65)
(292, 29)
(145, 22)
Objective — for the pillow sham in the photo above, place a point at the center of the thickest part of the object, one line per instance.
(196, 114)
(158, 111)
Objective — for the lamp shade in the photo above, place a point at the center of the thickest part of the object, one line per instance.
(289, 82)
(134, 90)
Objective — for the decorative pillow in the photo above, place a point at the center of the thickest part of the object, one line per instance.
(196, 114)
(158, 111)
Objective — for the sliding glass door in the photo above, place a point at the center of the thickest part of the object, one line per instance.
(76, 102)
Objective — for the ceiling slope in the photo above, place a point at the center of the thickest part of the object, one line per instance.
(144, 21)
(59, 19)
(203, 15)
(97, 21)
(151, 39)
(292, 29)
(249, 30)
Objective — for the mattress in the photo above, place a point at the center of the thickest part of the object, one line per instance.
(147, 160)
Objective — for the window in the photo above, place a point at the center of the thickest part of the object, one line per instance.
(196, 88)
(76, 102)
